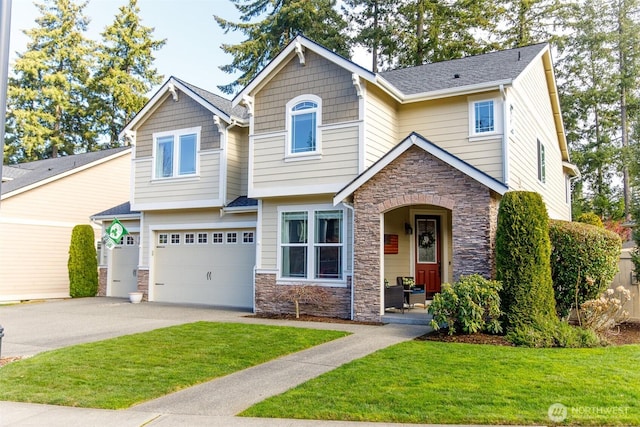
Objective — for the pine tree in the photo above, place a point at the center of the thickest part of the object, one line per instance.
(440, 30)
(46, 99)
(531, 21)
(281, 21)
(124, 73)
(373, 22)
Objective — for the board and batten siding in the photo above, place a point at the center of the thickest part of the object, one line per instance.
(269, 236)
(237, 162)
(202, 189)
(381, 128)
(36, 227)
(318, 77)
(532, 120)
(338, 165)
(445, 122)
(193, 219)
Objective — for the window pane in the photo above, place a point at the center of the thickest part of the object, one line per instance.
(303, 133)
(187, 154)
(164, 157)
(328, 262)
(484, 116)
(294, 261)
(328, 227)
(306, 105)
(427, 241)
(294, 227)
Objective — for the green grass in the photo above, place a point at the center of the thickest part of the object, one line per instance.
(120, 372)
(433, 382)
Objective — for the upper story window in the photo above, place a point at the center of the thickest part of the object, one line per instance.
(304, 116)
(484, 116)
(542, 169)
(175, 152)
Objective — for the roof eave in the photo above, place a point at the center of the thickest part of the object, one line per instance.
(110, 217)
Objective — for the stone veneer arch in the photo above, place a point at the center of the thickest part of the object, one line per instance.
(416, 199)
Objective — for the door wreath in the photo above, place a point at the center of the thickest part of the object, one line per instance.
(426, 239)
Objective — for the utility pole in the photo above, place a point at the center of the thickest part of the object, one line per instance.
(5, 32)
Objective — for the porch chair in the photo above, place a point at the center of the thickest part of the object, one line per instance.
(394, 297)
(417, 294)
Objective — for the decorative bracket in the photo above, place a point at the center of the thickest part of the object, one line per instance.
(356, 83)
(300, 53)
(174, 92)
(130, 137)
(219, 124)
(247, 101)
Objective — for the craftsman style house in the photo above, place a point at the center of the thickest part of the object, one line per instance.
(322, 174)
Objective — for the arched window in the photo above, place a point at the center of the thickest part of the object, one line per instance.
(304, 117)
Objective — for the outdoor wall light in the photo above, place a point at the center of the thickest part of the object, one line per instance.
(407, 228)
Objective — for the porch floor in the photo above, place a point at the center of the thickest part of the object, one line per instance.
(413, 316)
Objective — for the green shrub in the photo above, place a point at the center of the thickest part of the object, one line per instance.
(584, 261)
(591, 219)
(83, 263)
(552, 332)
(471, 305)
(522, 259)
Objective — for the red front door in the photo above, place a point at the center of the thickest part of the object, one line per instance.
(427, 253)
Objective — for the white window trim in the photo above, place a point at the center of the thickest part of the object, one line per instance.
(308, 155)
(176, 152)
(253, 237)
(227, 235)
(497, 117)
(166, 236)
(194, 235)
(213, 240)
(171, 239)
(311, 209)
(206, 237)
(541, 161)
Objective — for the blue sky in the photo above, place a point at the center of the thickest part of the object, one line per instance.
(192, 51)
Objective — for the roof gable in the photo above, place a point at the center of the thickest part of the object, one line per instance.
(423, 143)
(25, 176)
(218, 105)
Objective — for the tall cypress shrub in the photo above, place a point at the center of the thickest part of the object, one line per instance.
(523, 260)
(83, 263)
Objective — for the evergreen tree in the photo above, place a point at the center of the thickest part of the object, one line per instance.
(439, 30)
(124, 73)
(373, 23)
(531, 21)
(281, 21)
(46, 99)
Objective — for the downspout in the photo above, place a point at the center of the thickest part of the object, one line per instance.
(505, 137)
(353, 251)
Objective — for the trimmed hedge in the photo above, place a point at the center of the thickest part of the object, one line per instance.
(583, 256)
(83, 263)
(590, 218)
(522, 259)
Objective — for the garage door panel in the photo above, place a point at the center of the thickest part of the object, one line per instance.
(124, 265)
(213, 274)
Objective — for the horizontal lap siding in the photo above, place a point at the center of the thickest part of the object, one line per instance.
(533, 119)
(237, 163)
(445, 122)
(381, 133)
(338, 165)
(204, 187)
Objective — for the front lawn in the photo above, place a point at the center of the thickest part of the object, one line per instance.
(121, 372)
(445, 383)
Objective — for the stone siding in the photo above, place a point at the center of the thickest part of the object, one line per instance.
(143, 283)
(269, 299)
(102, 281)
(418, 178)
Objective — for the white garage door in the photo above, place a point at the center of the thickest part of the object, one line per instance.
(124, 266)
(210, 267)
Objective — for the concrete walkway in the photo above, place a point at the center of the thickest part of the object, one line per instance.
(36, 327)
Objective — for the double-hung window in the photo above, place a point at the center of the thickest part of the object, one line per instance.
(175, 153)
(304, 116)
(312, 244)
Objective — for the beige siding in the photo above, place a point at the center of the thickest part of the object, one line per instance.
(36, 227)
(318, 77)
(398, 264)
(533, 120)
(193, 219)
(445, 122)
(338, 165)
(203, 189)
(170, 116)
(381, 133)
(237, 162)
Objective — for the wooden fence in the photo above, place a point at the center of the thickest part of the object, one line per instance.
(626, 278)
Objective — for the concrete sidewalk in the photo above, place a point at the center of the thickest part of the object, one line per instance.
(31, 328)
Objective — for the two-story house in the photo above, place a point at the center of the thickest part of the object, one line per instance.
(351, 177)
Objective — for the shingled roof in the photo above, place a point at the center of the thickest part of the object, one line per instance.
(458, 73)
(122, 210)
(217, 101)
(26, 174)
